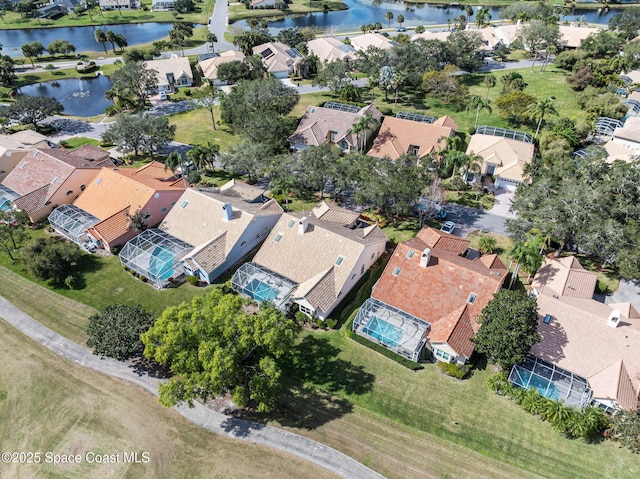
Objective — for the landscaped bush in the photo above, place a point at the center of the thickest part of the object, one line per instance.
(193, 280)
(453, 370)
(70, 282)
(143, 279)
(115, 250)
(407, 363)
(331, 323)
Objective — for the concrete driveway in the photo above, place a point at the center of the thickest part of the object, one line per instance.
(503, 198)
(627, 292)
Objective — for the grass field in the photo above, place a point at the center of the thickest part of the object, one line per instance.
(50, 404)
(237, 11)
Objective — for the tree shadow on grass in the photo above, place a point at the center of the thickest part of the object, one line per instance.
(315, 375)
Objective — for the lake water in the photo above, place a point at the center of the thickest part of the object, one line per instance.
(362, 12)
(79, 96)
(81, 37)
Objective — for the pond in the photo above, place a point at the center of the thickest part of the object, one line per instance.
(79, 96)
(81, 37)
(362, 12)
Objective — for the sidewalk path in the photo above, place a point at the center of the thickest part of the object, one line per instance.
(213, 421)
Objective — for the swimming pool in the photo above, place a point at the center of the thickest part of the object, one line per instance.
(161, 263)
(260, 291)
(383, 331)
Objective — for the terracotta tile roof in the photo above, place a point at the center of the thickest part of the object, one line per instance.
(112, 227)
(509, 156)
(318, 122)
(565, 277)
(578, 339)
(440, 293)
(33, 201)
(398, 136)
(210, 66)
(91, 152)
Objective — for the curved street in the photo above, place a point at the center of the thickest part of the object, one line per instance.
(248, 431)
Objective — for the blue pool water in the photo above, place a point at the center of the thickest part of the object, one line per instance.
(383, 331)
(260, 291)
(545, 387)
(161, 263)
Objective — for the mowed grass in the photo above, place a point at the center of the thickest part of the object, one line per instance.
(50, 404)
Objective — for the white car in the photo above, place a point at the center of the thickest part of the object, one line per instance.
(448, 227)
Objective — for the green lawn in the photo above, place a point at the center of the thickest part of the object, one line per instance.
(238, 11)
(469, 198)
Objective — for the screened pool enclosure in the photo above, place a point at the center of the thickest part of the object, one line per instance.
(261, 284)
(155, 255)
(392, 328)
(551, 381)
(72, 222)
(7, 195)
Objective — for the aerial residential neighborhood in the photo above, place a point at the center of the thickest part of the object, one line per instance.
(300, 239)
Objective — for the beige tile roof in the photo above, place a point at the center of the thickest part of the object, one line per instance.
(565, 277)
(397, 135)
(510, 156)
(309, 259)
(27, 137)
(276, 57)
(427, 35)
(572, 36)
(616, 151)
(91, 152)
(174, 65)
(330, 49)
(317, 123)
(335, 214)
(210, 66)
(210, 254)
(578, 339)
(630, 130)
(246, 191)
(362, 42)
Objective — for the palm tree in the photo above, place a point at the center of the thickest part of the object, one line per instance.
(472, 163)
(212, 39)
(479, 104)
(100, 37)
(173, 161)
(389, 16)
(455, 142)
(400, 19)
(482, 17)
(452, 159)
(111, 37)
(489, 81)
(487, 244)
(361, 127)
(121, 41)
(396, 82)
(540, 109)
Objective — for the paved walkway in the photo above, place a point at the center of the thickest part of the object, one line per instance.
(284, 441)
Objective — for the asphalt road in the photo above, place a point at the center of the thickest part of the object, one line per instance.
(470, 219)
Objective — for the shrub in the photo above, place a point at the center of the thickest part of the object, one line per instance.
(320, 324)
(115, 250)
(301, 318)
(70, 282)
(331, 323)
(601, 287)
(453, 370)
(193, 280)
(143, 279)
(407, 363)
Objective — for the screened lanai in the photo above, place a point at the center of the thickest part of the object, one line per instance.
(401, 332)
(261, 284)
(155, 255)
(551, 381)
(72, 222)
(7, 195)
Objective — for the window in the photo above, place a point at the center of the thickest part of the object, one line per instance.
(442, 354)
(156, 195)
(70, 192)
(184, 204)
(396, 270)
(291, 223)
(332, 136)
(278, 238)
(472, 298)
(411, 253)
(307, 311)
(339, 260)
(55, 178)
(414, 150)
(147, 216)
(373, 255)
(362, 269)
(353, 276)
(82, 187)
(163, 210)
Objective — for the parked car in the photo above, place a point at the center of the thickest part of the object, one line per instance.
(401, 29)
(163, 95)
(448, 227)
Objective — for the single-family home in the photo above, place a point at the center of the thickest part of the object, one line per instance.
(208, 231)
(411, 134)
(311, 259)
(162, 5)
(628, 135)
(504, 153)
(279, 59)
(430, 294)
(333, 124)
(330, 49)
(119, 4)
(172, 72)
(14, 147)
(589, 351)
(429, 35)
(101, 216)
(362, 42)
(209, 67)
(572, 35)
(263, 3)
(49, 177)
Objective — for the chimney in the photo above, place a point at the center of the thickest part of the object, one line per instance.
(614, 319)
(426, 256)
(227, 212)
(302, 225)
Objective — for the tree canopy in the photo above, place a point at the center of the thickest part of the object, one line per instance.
(131, 84)
(140, 133)
(115, 331)
(31, 110)
(508, 328)
(215, 345)
(51, 258)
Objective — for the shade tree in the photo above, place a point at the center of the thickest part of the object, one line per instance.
(140, 133)
(31, 110)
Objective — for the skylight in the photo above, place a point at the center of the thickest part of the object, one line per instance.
(278, 238)
(411, 253)
(291, 223)
(472, 298)
(397, 270)
(184, 204)
(339, 260)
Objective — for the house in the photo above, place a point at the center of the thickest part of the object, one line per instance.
(502, 156)
(628, 135)
(172, 72)
(330, 49)
(100, 215)
(13, 148)
(332, 124)
(209, 67)
(279, 59)
(430, 294)
(47, 177)
(588, 351)
(428, 35)
(572, 35)
(362, 42)
(119, 4)
(222, 225)
(263, 3)
(400, 136)
(162, 5)
(311, 259)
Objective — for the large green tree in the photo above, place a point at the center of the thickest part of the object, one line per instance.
(115, 331)
(51, 258)
(214, 345)
(626, 23)
(140, 133)
(31, 50)
(334, 75)
(508, 328)
(31, 110)
(132, 83)
(318, 165)
(251, 38)
(209, 99)
(60, 47)
(7, 71)
(624, 428)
